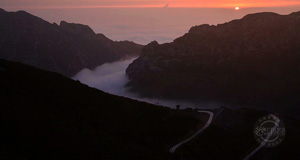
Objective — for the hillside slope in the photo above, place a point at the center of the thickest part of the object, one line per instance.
(44, 115)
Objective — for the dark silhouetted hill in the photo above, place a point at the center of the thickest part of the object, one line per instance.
(44, 115)
(253, 61)
(66, 48)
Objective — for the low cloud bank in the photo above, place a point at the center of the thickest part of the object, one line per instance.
(111, 78)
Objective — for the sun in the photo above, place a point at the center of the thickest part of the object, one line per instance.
(237, 8)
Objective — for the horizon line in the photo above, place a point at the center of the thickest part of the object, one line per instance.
(145, 6)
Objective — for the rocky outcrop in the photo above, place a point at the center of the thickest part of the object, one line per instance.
(252, 60)
(66, 48)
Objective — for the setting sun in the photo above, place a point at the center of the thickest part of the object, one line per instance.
(237, 8)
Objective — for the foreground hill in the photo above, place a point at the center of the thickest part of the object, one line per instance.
(44, 115)
(254, 60)
(66, 48)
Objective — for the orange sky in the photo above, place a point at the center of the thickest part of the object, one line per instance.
(145, 3)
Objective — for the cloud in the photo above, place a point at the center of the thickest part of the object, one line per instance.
(111, 78)
(166, 6)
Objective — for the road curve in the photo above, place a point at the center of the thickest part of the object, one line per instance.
(264, 142)
(211, 115)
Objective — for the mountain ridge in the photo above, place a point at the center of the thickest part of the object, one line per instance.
(65, 48)
(251, 61)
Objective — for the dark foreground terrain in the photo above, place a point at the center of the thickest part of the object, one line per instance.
(47, 116)
(44, 115)
(230, 136)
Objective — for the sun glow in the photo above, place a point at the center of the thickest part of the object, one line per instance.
(237, 8)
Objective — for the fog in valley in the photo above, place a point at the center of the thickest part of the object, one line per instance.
(111, 78)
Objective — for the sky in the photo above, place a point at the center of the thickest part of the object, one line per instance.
(144, 3)
(143, 21)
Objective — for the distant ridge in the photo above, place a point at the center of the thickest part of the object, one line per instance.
(66, 48)
(253, 60)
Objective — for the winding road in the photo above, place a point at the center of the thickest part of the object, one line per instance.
(211, 115)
